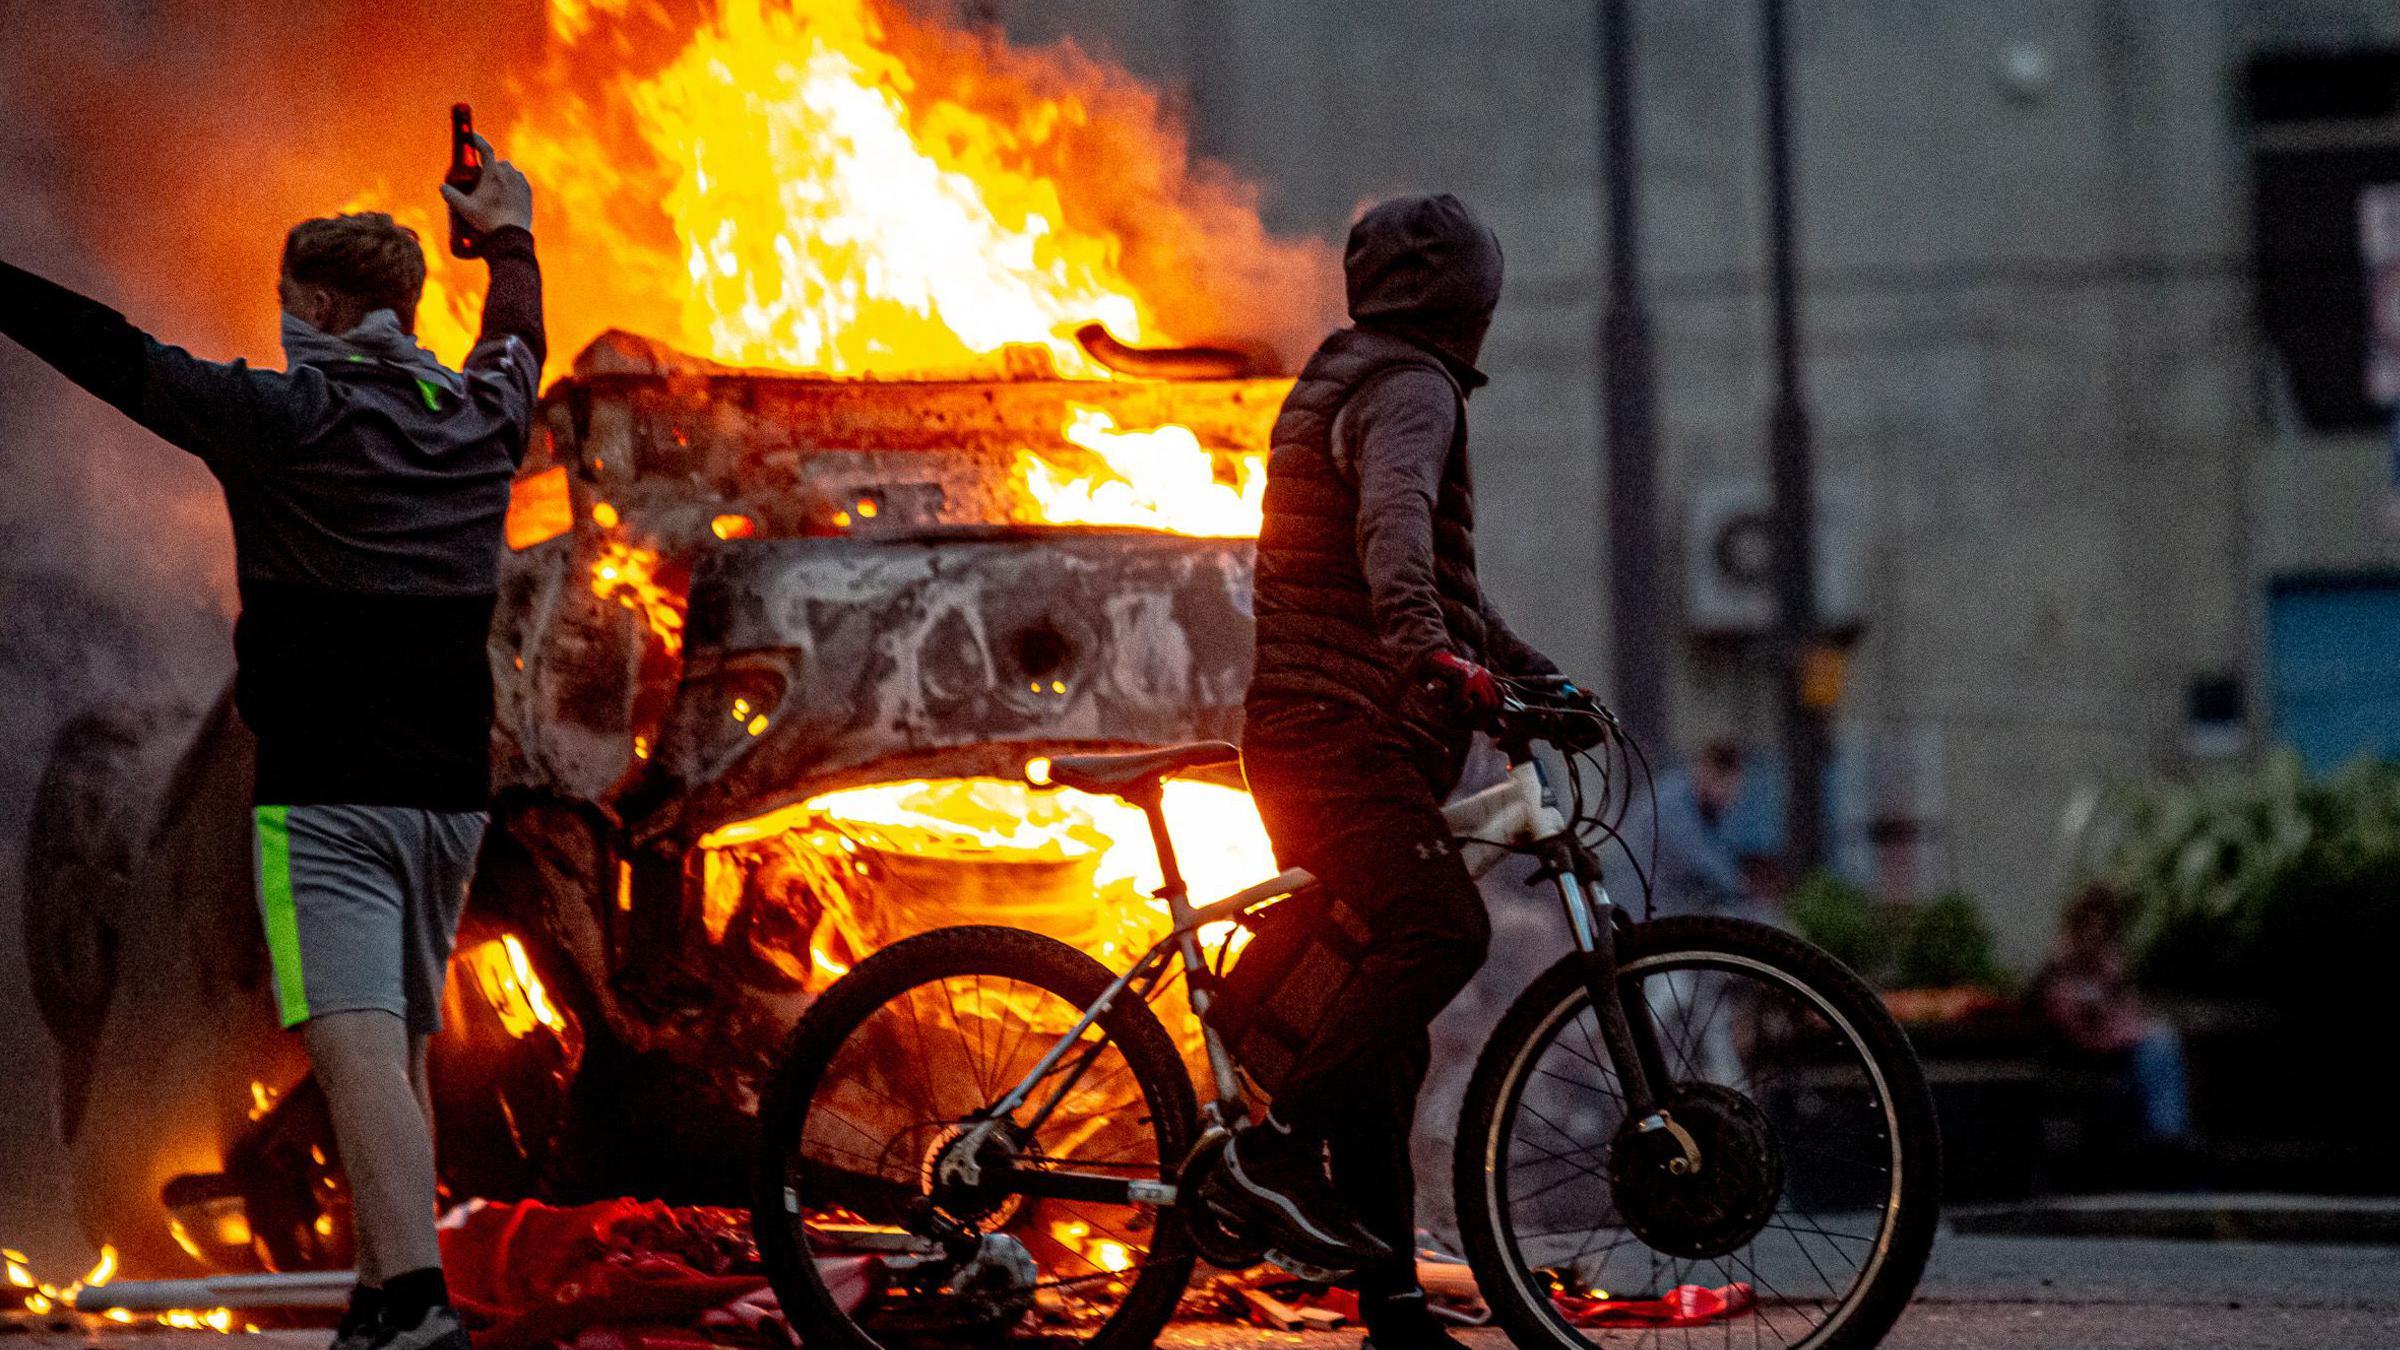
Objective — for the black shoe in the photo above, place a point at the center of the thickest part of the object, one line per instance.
(439, 1329)
(1274, 1184)
(1403, 1322)
(362, 1323)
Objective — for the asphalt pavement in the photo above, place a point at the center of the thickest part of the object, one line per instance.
(1981, 1293)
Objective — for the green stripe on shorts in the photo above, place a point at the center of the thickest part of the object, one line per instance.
(275, 903)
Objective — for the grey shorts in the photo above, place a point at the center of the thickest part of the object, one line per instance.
(361, 905)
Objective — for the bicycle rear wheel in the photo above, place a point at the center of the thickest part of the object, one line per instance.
(1810, 1217)
(870, 1237)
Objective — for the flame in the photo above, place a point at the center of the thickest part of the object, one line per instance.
(1161, 479)
(506, 977)
(839, 187)
(627, 574)
(40, 1298)
(854, 869)
(538, 509)
(821, 230)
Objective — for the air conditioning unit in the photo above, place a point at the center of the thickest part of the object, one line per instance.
(1728, 552)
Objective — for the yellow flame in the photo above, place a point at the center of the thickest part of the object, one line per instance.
(508, 981)
(816, 863)
(628, 575)
(42, 1298)
(824, 226)
(1160, 479)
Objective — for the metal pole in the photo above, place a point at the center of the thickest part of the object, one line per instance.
(1629, 402)
(1793, 514)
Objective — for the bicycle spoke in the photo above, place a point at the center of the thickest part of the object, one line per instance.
(1722, 1030)
(872, 1146)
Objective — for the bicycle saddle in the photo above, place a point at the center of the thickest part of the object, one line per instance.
(1140, 771)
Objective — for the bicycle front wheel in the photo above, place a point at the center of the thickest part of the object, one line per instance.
(1806, 1222)
(873, 1233)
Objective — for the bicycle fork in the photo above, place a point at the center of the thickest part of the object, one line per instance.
(1625, 1027)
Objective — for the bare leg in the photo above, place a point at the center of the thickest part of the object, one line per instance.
(368, 1068)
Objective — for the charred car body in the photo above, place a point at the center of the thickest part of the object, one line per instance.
(753, 631)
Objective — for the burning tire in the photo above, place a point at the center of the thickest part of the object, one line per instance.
(866, 1110)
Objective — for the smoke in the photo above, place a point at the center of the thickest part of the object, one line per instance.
(113, 567)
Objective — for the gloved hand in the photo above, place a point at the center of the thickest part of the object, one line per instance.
(1471, 690)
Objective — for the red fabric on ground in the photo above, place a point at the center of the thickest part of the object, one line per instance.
(617, 1275)
(1686, 1305)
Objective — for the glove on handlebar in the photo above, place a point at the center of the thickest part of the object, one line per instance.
(1470, 688)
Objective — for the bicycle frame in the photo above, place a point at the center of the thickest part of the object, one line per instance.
(1516, 814)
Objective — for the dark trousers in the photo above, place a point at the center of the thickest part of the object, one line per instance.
(1357, 802)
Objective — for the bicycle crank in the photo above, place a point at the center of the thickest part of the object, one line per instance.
(1219, 1243)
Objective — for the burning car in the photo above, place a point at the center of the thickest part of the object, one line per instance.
(779, 631)
(772, 655)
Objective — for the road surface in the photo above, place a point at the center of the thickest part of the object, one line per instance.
(1982, 1293)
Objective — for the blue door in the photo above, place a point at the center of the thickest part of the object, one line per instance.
(2333, 666)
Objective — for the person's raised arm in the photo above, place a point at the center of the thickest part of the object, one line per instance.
(209, 408)
(500, 211)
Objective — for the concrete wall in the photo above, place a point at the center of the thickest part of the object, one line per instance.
(2026, 318)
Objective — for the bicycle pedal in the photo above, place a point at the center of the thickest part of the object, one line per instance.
(1309, 1271)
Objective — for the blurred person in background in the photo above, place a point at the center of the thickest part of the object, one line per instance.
(366, 483)
(2085, 995)
(1696, 869)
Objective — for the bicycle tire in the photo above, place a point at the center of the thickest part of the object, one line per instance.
(986, 951)
(1506, 1063)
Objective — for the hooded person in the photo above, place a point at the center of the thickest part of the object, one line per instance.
(1375, 659)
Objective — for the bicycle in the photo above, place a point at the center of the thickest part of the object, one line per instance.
(916, 1184)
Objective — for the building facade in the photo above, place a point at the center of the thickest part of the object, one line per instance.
(2071, 496)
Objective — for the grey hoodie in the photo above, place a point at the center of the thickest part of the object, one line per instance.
(1366, 560)
(367, 485)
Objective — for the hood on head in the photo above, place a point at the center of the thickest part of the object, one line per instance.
(1427, 270)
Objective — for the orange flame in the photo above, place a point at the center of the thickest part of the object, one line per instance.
(505, 976)
(627, 574)
(40, 1297)
(1161, 479)
(835, 186)
(1077, 865)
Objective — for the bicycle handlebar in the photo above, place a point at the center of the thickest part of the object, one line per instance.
(1550, 708)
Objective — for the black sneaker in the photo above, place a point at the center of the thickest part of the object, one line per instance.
(1403, 1322)
(362, 1322)
(439, 1329)
(1275, 1185)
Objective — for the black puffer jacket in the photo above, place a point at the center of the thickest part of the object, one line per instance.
(1366, 561)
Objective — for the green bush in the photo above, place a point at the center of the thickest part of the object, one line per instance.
(2264, 882)
(1939, 943)
(1947, 944)
(1845, 920)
